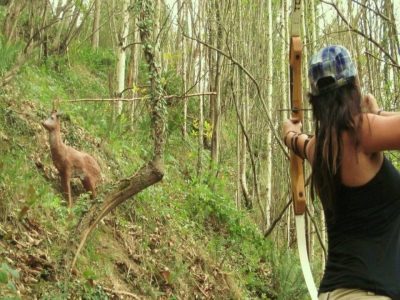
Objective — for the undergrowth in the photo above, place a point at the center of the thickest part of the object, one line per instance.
(180, 239)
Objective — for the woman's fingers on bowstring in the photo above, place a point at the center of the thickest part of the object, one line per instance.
(295, 121)
(291, 125)
(370, 103)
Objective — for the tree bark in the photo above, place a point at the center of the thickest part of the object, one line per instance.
(96, 23)
(121, 54)
(215, 87)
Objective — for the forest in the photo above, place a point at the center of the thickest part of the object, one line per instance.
(180, 103)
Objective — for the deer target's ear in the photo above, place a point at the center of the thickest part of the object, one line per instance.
(59, 113)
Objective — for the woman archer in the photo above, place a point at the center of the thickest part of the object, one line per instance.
(358, 186)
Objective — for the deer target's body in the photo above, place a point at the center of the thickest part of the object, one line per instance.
(70, 162)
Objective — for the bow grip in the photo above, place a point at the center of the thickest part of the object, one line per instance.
(297, 174)
(296, 163)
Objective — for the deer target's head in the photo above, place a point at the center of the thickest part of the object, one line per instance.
(53, 120)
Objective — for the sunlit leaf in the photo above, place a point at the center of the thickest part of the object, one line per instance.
(3, 277)
(31, 195)
(23, 213)
(88, 274)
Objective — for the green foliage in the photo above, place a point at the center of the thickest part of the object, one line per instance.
(14, 180)
(101, 60)
(172, 82)
(207, 129)
(76, 290)
(8, 54)
(8, 290)
(286, 274)
(394, 157)
(30, 201)
(82, 204)
(187, 211)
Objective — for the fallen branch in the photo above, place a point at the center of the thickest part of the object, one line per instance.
(121, 293)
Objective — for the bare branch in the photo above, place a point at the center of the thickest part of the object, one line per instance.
(273, 130)
(269, 230)
(375, 12)
(368, 38)
(380, 59)
(321, 242)
(121, 293)
(137, 98)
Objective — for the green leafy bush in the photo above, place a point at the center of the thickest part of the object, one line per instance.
(8, 290)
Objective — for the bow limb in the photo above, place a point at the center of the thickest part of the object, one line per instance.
(296, 163)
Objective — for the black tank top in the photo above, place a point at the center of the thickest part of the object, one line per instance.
(364, 238)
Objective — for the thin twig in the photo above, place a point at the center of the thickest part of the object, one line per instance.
(368, 38)
(137, 98)
(380, 59)
(317, 231)
(121, 293)
(255, 82)
(269, 230)
(375, 12)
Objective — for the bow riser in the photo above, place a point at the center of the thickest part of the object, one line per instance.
(296, 163)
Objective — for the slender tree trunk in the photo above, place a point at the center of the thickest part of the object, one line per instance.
(242, 107)
(269, 105)
(183, 14)
(201, 98)
(121, 53)
(216, 117)
(14, 8)
(66, 17)
(133, 75)
(96, 22)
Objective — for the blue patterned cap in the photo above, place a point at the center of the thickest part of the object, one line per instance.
(331, 61)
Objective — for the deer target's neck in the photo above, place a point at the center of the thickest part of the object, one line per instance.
(55, 140)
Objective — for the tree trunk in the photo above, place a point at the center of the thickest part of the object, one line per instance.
(121, 54)
(200, 79)
(216, 103)
(269, 105)
(133, 75)
(66, 12)
(183, 14)
(14, 8)
(96, 23)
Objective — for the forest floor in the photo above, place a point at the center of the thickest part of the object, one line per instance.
(114, 264)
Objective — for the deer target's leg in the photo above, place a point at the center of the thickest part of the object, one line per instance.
(66, 186)
(89, 185)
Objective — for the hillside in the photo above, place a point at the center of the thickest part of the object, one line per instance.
(179, 239)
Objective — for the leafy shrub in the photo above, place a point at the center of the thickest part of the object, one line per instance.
(8, 289)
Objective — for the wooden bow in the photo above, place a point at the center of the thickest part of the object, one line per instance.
(296, 163)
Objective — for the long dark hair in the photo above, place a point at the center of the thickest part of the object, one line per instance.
(334, 112)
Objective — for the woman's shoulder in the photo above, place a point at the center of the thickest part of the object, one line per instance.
(379, 133)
